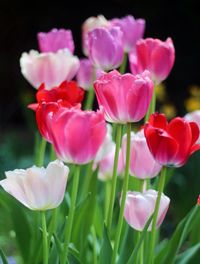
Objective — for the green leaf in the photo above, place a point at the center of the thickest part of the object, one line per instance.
(137, 247)
(168, 253)
(187, 255)
(3, 257)
(106, 249)
(58, 244)
(21, 225)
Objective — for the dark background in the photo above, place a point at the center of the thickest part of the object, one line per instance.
(20, 21)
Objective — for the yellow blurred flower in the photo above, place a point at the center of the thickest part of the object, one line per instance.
(169, 110)
(192, 104)
(194, 90)
(160, 90)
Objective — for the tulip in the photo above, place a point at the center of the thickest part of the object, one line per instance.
(49, 68)
(133, 30)
(140, 206)
(76, 135)
(90, 24)
(105, 48)
(106, 164)
(38, 188)
(55, 39)
(154, 55)
(67, 93)
(195, 117)
(85, 75)
(171, 144)
(125, 98)
(142, 163)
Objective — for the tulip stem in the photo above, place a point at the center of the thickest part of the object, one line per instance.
(45, 239)
(122, 68)
(152, 106)
(89, 99)
(68, 227)
(52, 153)
(40, 152)
(161, 184)
(107, 196)
(123, 199)
(52, 225)
(114, 177)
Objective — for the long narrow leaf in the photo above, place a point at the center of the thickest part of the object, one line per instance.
(3, 257)
(106, 249)
(185, 257)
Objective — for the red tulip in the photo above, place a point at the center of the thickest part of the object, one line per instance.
(171, 143)
(67, 93)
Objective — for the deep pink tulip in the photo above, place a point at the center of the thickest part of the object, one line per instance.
(133, 30)
(90, 24)
(140, 206)
(86, 74)
(55, 39)
(194, 117)
(154, 55)
(105, 48)
(75, 134)
(48, 68)
(125, 98)
(142, 163)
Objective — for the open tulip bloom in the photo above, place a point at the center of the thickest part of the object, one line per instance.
(91, 218)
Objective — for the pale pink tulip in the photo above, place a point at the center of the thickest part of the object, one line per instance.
(90, 24)
(140, 206)
(55, 39)
(38, 188)
(48, 68)
(105, 48)
(154, 55)
(125, 98)
(194, 117)
(106, 164)
(133, 30)
(86, 74)
(142, 163)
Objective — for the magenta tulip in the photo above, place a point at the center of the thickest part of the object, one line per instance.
(86, 74)
(133, 30)
(55, 39)
(105, 48)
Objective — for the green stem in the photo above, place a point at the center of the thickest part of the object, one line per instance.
(94, 245)
(88, 175)
(68, 228)
(90, 99)
(124, 191)
(52, 226)
(152, 106)
(122, 68)
(45, 240)
(52, 153)
(107, 197)
(114, 177)
(161, 184)
(39, 159)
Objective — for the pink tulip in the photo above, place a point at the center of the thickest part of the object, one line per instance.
(90, 24)
(105, 48)
(140, 206)
(142, 163)
(49, 68)
(106, 164)
(86, 74)
(38, 188)
(55, 39)
(133, 30)
(154, 55)
(76, 135)
(125, 98)
(194, 117)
